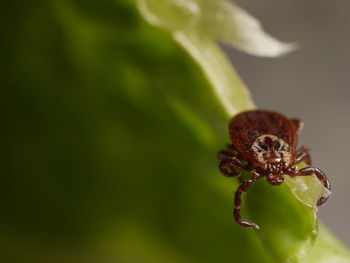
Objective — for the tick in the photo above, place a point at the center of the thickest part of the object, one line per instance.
(264, 142)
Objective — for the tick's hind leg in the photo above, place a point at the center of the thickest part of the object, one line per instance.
(302, 155)
(321, 176)
(243, 188)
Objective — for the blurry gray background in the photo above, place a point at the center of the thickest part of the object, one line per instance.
(311, 84)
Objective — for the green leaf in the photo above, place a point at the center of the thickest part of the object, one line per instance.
(288, 227)
(222, 20)
(110, 141)
(328, 249)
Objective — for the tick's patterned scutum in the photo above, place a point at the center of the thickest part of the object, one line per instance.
(245, 128)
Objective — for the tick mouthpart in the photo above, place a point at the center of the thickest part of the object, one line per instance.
(275, 179)
(274, 168)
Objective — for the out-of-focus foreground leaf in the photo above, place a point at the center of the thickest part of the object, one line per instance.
(108, 146)
(109, 143)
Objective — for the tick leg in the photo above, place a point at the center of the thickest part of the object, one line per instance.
(228, 168)
(225, 155)
(298, 124)
(303, 155)
(243, 188)
(321, 176)
(229, 163)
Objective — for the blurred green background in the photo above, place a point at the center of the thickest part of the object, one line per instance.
(108, 142)
(100, 161)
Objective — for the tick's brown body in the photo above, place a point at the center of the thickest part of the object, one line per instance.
(265, 142)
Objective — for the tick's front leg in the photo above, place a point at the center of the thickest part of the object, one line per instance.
(243, 188)
(321, 176)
